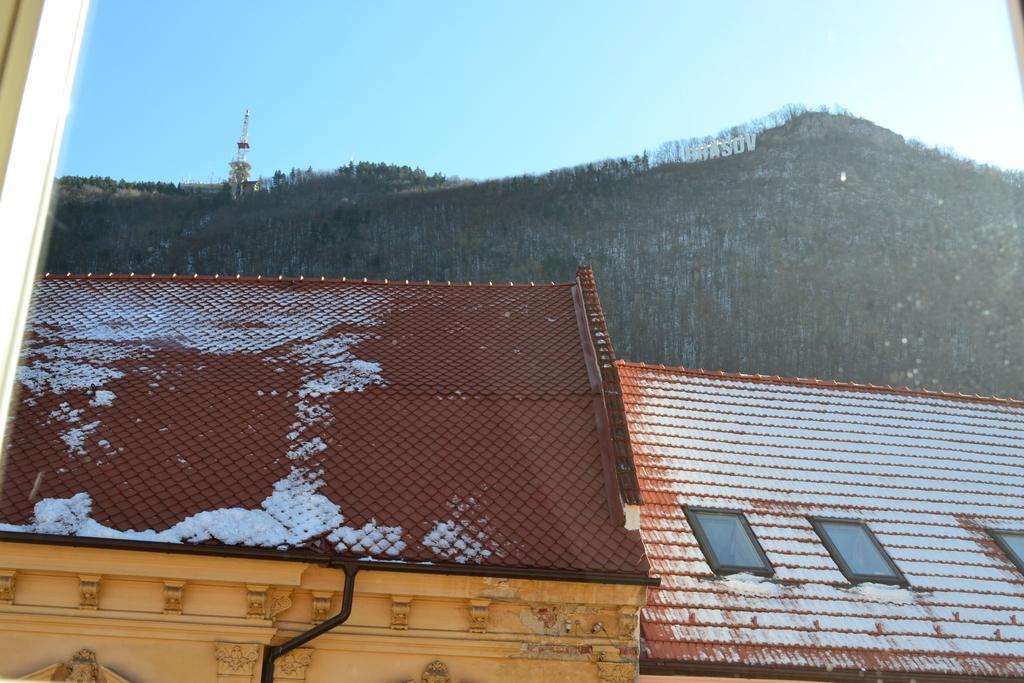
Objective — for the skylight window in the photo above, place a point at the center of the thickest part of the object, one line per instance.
(728, 542)
(857, 552)
(1012, 543)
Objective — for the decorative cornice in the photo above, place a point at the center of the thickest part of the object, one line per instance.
(280, 600)
(256, 601)
(321, 606)
(174, 593)
(88, 592)
(622, 450)
(223, 552)
(7, 586)
(479, 614)
(400, 607)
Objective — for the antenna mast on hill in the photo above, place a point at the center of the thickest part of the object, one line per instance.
(239, 177)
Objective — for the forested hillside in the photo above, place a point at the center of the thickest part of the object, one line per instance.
(909, 271)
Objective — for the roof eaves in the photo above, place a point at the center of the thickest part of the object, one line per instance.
(656, 667)
(331, 559)
(611, 388)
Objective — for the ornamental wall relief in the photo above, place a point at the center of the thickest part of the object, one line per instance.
(436, 672)
(236, 660)
(82, 667)
(7, 584)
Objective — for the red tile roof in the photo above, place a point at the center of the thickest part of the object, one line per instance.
(927, 471)
(451, 424)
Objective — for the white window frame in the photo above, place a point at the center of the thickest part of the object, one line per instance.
(37, 73)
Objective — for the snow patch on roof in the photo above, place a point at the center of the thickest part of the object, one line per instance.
(353, 378)
(70, 351)
(62, 376)
(65, 413)
(750, 584)
(75, 437)
(305, 448)
(340, 370)
(883, 593)
(63, 516)
(259, 318)
(370, 539)
(452, 541)
(290, 516)
(103, 397)
(466, 537)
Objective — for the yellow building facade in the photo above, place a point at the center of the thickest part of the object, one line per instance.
(140, 616)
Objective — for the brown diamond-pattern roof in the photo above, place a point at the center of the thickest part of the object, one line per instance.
(484, 402)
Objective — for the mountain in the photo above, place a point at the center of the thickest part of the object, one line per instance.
(834, 249)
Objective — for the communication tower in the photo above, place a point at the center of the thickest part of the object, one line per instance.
(240, 167)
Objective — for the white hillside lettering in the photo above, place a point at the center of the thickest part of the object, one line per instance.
(721, 148)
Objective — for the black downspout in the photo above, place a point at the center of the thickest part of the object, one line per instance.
(271, 654)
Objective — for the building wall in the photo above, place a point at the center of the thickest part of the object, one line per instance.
(123, 607)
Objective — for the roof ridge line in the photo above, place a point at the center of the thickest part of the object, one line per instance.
(238, 277)
(611, 387)
(825, 383)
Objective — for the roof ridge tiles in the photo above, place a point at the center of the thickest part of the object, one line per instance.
(828, 383)
(113, 276)
(611, 386)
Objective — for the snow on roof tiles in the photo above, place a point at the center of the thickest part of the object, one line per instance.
(928, 472)
(423, 423)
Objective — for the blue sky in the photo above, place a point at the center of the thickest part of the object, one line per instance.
(487, 89)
